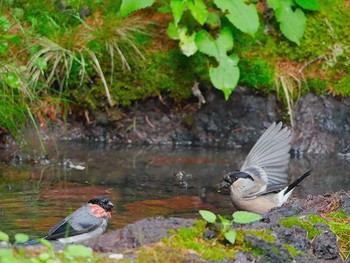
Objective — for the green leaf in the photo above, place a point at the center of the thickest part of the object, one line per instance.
(4, 237)
(3, 48)
(177, 7)
(231, 236)
(4, 24)
(172, 31)
(225, 77)
(206, 44)
(213, 20)
(225, 40)
(77, 251)
(226, 224)
(198, 10)
(187, 42)
(12, 80)
(21, 238)
(15, 39)
(308, 4)
(292, 24)
(241, 15)
(243, 217)
(274, 4)
(129, 6)
(208, 216)
(5, 252)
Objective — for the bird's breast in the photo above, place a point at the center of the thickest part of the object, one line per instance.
(99, 211)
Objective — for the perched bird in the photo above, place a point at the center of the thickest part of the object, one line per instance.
(86, 222)
(261, 183)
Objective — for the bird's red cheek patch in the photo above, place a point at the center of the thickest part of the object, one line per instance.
(99, 211)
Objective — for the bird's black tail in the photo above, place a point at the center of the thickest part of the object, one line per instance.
(297, 181)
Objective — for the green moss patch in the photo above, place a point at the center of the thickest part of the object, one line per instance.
(338, 222)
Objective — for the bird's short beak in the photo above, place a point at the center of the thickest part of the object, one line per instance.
(227, 179)
(110, 205)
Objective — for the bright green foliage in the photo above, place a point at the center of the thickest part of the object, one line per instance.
(77, 251)
(244, 217)
(21, 238)
(225, 76)
(224, 227)
(292, 22)
(308, 4)
(208, 216)
(4, 237)
(243, 16)
(129, 6)
(71, 253)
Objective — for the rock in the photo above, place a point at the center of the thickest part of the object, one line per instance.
(325, 246)
(146, 231)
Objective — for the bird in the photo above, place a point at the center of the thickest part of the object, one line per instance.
(261, 182)
(86, 222)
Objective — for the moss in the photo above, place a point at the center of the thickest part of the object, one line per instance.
(190, 239)
(293, 251)
(338, 222)
(257, 73)
(303, 223)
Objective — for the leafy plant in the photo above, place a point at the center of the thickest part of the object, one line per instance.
(71, 253)
(224, 226)
(224, 72)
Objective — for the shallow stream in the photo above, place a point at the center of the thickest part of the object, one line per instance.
(139, 180)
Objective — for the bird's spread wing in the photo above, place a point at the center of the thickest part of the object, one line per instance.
(271, 153)
(78, 223)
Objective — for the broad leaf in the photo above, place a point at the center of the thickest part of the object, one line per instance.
(208, 216)
(274, 4)
(225, 77)
(241, 15)
(243, 217)
(206, 44)
(198, 10)
(213, 20)
(292, 24)
(129, 6)
(172, 31)
(225, 40)
(77, 251)
(231, 236)
(187, 42)
(21, 238)
(177, 7)
(308, 4)
(4, 237)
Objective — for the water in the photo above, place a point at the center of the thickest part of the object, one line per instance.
(139, 180)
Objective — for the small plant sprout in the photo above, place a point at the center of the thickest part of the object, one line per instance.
(223, 225)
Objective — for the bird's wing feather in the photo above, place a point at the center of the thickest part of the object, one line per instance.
(271, 153)
(269, 189)
(79, 222)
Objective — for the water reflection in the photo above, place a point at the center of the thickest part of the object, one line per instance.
(140, 180)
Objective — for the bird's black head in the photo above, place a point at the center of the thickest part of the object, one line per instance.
(234, 176)
(103, 202)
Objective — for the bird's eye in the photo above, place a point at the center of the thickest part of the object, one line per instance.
(236, 178)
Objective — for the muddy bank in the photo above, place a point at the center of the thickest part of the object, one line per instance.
(323, 247)
(322, 124)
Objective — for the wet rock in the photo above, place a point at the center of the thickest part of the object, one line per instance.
(322, 124)
(271, 252)
(325, 246)
(142, 232)
(295, 236)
